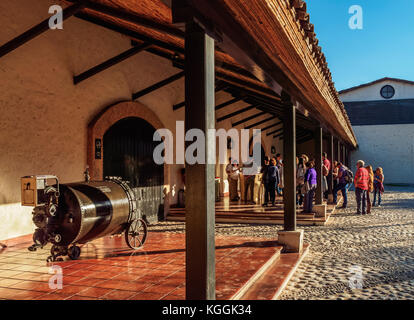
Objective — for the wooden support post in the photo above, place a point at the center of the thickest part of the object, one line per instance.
(37, 30)
(110, 62)
(290, 237)
(343, 154)
(318, 164)
(331, 158)
(158, 85)
(289, 166)
(338, 150)
(348, 158)
(220, 85)
(199, 198)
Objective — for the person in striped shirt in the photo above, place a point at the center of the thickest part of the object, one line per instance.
(361, 182)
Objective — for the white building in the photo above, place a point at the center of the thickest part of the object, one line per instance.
(382, 116)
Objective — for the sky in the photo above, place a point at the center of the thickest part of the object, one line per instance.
(383, 48)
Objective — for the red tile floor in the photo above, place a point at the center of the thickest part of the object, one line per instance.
(108, 269)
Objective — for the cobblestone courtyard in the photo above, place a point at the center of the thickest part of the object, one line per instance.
(376, 251)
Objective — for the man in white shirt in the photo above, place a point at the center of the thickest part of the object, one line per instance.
(233, 171)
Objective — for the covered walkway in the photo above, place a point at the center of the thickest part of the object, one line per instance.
(109, 270)
(264, 53)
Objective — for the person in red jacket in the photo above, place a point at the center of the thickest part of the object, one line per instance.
(361, 183)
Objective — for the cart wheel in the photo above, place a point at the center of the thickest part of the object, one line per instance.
(54, 250)
(74, 252)
(136, 234)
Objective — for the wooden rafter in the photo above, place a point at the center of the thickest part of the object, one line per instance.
(157, 85)
(228, 103)
(37, 30)
(249, 118)
(110, 62)
(235, 113)
(272, 125)
(260, 122)
(275, 131)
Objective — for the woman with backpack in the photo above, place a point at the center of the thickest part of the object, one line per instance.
(370, 187)
(378, 186)
(344, 175)
(310, 187)
(300, 181)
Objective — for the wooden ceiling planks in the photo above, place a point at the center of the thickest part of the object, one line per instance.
(277, 28)
(281, 28)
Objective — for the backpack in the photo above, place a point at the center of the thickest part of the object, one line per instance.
(349, 175)
(300, 175)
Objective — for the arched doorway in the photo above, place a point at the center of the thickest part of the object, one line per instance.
(128, 153)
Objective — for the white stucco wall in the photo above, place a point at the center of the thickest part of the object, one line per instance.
(388, 146)
(44, 116)
(372, 92)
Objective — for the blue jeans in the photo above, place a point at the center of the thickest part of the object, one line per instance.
(376, 190)
(344, 190)
(271, 187)
(361, 199)
(266, 192)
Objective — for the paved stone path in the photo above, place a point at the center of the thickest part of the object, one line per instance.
(353, 257)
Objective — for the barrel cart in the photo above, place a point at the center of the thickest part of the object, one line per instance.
(69, 215)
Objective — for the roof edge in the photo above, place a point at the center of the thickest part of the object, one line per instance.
(375, 82)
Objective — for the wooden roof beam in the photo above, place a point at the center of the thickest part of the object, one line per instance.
(272, 125)
(249, 118)
(228, 103)
(230, 115)
(158, 85)
(275, 131)
(260, 122)
(278, 135)
(133, 18)
(110, 62)
(127, 32)
(37, 30)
